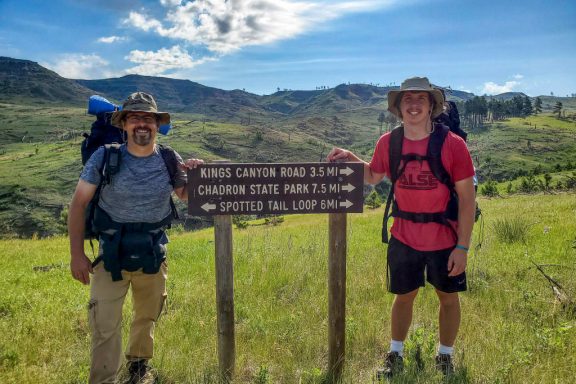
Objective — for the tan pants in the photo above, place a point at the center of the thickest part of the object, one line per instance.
(105, 318)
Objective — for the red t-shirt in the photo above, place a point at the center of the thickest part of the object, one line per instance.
(418, 190)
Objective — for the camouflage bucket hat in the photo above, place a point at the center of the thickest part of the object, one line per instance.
(416, 84)
(139, 102)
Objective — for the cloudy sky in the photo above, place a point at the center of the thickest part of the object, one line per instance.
(489, 46)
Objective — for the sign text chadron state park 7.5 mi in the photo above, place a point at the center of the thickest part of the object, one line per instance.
(232, 188)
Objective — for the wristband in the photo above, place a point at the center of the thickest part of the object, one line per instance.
(458, 246)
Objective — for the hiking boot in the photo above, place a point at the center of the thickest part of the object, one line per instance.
(393, 365)
(444, 363)
(140, 373)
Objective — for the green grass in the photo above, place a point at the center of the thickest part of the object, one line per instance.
(503, 148)
(512, 329)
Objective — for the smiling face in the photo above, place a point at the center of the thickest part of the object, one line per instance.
(141, 128)
(416, 107)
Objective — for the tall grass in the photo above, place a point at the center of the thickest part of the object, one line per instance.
(512, 332)
(511, 229)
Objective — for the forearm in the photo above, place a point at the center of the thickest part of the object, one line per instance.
(76, 229)
(466, 212)
(371, 177)
(182, 192)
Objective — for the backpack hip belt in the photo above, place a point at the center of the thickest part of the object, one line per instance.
(129, 246)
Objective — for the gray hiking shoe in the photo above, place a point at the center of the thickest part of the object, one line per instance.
(444, 363)
(393, 365)
(140, 373)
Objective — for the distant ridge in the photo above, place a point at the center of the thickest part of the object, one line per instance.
(508, 95)
(177, 95)
(24, 80)
(27, 81)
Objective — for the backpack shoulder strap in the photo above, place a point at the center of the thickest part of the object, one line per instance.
(437, 139)
(169, 157)
(111, 163)
(171, 162)
(394, 160)
(395, 152)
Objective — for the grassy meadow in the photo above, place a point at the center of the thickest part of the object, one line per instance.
(40, 149)
(513, 330)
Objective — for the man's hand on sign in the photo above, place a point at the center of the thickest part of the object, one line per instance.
(340, 154)
(191, 163)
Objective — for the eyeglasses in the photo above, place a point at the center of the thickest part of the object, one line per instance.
(135, 119)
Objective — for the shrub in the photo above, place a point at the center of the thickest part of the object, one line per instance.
(571, 181)
(240, 221)
(490, 189)
(529, 184)
(511, 230)
(176, 229)
(547, 180)
(373, 200)
(510, 188)
(274, 220)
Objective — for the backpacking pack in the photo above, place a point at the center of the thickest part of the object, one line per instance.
(398, 163)
(102, 132)
(451, 118)
(110, 166)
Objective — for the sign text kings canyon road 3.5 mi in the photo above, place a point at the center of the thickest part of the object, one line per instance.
(232, 188)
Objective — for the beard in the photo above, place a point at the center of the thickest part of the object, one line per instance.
(142, 139)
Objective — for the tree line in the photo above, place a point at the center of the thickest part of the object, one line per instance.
(478, 110)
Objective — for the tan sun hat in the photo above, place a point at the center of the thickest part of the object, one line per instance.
(139, 102)
(415, 84)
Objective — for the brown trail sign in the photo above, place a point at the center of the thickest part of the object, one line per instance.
(226, 189)
(230, 189)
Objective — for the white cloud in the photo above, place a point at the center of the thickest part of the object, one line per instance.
(111, 39)
(79, 66)
(518, 76)
(226, 26)
(170, 3)
(142, 21)
(161, 61)
(491, 88)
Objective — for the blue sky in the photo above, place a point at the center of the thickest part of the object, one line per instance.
(261, 45)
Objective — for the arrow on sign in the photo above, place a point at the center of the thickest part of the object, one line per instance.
(348, 188)
(346, 204)
(346, 171)
(207, 207)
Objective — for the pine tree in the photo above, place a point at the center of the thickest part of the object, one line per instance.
(558, 109)
(527, 109)
(538, 105)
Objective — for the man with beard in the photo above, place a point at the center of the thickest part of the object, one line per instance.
(132, 213)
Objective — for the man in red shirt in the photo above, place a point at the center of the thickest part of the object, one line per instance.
(436, 249)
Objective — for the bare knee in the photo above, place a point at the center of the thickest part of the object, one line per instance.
(406, 298)
(448, 300)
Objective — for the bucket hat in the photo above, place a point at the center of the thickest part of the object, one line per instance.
(415, 84)
(139, 102)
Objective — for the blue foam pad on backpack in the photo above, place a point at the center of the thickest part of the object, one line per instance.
(164, 129)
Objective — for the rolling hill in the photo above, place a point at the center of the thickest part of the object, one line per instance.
(27, 81)
(44, 117)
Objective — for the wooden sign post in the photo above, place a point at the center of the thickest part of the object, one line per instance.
(336, 295)
(226, 189)
(225, 296)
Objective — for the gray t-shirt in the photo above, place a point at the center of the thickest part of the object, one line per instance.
(140, 191)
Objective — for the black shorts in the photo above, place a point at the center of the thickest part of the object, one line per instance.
(406, 268)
